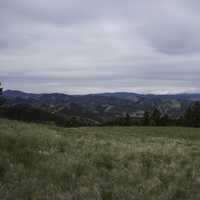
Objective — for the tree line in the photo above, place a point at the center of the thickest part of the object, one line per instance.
(191, 118)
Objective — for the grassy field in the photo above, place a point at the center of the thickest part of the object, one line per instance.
(43, 162)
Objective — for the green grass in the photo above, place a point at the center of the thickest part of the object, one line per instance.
(43, 162)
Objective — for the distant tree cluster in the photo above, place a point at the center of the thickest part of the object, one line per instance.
(25, 112)
(151, 118)
(192, 115)
(190, 118)
(155, 118)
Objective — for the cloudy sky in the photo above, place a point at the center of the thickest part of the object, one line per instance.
(89, 46)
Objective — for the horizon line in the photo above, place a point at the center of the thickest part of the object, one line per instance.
(99, 93)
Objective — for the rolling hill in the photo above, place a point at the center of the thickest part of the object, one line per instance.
(101, 107)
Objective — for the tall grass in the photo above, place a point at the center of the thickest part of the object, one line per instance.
(46, 162)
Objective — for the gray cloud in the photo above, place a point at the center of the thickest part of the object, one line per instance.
(96, 46)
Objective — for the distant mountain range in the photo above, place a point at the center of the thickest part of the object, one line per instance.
(104, 106)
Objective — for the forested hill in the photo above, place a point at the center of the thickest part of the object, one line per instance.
(100, 107)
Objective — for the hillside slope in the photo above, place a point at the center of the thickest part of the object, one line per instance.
(46, 162)
(103, 107)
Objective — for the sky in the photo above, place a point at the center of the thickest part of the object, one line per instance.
(93, 46)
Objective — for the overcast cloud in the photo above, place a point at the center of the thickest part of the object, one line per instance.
(89, 46)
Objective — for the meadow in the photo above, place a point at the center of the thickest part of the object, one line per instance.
(45, 162)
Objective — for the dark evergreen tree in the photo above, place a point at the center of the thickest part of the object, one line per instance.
(127, 120)
(156, 117)
(188, 117)
(146, 118)
(165, 121)
(196, 114)
(192, 115)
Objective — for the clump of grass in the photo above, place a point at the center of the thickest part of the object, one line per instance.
(46, 162)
